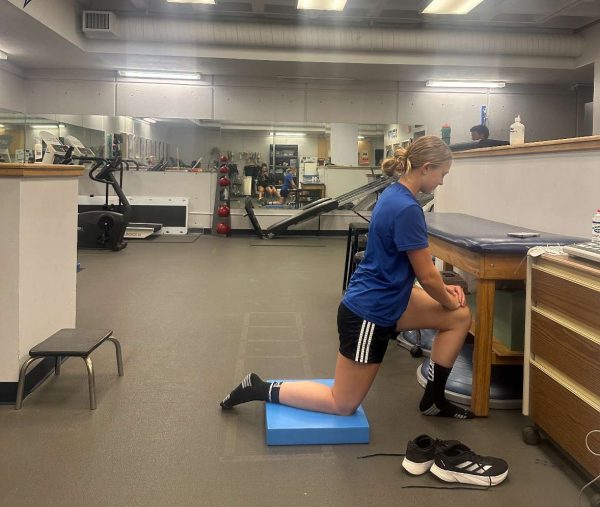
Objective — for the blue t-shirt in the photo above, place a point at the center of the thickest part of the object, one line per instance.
(287, 182)
(381, 285)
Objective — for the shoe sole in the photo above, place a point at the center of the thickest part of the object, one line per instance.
(477, 480)
(416, 468)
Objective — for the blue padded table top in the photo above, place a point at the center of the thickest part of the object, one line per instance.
(486, 236)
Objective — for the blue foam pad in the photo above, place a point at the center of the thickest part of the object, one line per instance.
(293, 426)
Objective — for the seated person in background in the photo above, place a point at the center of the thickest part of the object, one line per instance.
(265, 183)
(288, 183)
(479, 139)
(479, 132)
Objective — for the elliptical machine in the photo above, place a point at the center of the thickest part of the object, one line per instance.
(104, 228)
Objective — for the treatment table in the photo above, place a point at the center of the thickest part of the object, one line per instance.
(483, 249)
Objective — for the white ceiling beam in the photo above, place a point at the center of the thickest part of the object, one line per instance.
(377, 8)
(560, 11)
(258, 6)
(489, 10)
(140, 4)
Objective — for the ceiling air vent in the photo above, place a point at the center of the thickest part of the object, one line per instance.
(99, 24)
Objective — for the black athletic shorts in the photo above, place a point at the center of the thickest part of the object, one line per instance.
(361, 340)
(284, 192)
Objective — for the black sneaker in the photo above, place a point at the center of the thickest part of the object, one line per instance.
(421, 452)
(458, 463)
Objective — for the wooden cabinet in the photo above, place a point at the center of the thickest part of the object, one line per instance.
(562, 353)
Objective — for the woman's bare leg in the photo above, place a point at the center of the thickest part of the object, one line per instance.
(423, 312)
(352, 383)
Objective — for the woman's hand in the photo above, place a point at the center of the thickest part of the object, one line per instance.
(458, 293)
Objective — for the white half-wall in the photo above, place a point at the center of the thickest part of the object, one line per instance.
(551, 192)
(199, 188)
(38, 268)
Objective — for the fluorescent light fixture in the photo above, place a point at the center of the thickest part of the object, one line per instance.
(148, 74)
(288, 134)
(466, 84)
(451, 6)
(47, 126)
(3, 55)
(206, 2)
(360, 138)
(321, 5)
(1, 126)
(149, 120)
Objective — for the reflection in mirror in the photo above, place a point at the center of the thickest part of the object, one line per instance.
(12, 137)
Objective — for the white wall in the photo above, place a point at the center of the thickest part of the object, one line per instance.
(12, 96)
(549, 112)
(551, 192)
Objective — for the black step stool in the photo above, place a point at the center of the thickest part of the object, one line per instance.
(70, 343)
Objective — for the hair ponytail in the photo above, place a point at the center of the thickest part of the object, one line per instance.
(425, 149)
(397, 165)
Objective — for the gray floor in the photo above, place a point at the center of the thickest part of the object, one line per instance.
(192, 319)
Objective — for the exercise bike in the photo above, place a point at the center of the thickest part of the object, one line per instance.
(104, 228)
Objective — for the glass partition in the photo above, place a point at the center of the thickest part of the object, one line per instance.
(12, 137)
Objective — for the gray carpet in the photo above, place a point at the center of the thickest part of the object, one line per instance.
(192, 320)
(288, 243)
(170, 238)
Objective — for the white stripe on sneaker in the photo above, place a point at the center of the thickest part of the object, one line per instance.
(433, 410)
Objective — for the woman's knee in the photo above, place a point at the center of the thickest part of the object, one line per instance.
(463, 317)
(345, 408)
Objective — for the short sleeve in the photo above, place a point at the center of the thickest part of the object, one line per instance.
(410, 229)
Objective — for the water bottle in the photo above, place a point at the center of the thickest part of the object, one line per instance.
(596, 227)
(446, 131)
(517, 132)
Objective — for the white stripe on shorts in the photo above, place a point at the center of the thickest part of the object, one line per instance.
(360, 337)
(365, 358)
(364, 342)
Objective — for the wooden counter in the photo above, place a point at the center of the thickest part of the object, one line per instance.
(554, 146)
(12, 170)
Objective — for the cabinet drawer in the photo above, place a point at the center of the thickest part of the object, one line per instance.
(566, 297)
(566, 418)
(571, 353)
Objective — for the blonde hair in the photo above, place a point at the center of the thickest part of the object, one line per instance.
(425, 149)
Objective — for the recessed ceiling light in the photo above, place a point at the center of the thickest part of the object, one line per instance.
(149, 120)
(146, 74)
(3, 55)
(466, 84)
(451, 6)
(321, 5)
(206, 2)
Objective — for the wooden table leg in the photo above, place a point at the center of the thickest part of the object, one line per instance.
(482, 353)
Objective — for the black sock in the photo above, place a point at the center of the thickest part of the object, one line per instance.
(252, 388)
(434, 400)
